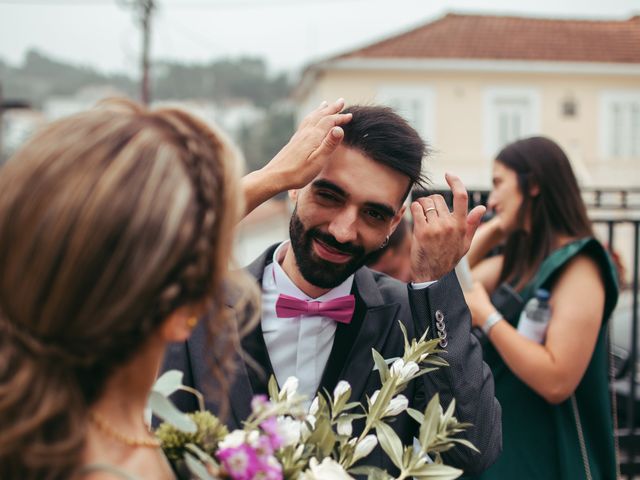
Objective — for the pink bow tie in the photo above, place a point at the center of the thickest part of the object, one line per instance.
(339, 309)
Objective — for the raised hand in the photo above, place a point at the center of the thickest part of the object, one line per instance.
(441, 237)
(302, 158)
(318, 135)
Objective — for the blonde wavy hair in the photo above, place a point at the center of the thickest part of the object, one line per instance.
(109, 221)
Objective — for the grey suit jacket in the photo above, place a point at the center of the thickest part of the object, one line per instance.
(380, 302)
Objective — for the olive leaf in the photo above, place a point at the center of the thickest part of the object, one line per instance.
(390, 443)
(164, 409)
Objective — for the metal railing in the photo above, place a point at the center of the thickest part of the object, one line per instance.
(615, 214)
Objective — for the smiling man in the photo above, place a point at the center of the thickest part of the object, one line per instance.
(323, 311)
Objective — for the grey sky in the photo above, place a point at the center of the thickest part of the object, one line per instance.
(288, 33)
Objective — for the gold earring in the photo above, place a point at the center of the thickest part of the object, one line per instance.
(192, 322)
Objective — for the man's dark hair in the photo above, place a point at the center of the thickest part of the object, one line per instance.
(385, 137)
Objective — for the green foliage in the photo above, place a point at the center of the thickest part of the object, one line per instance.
(209, 433)
(261, 141)
(245, 77)
(322, 436)
(41, 76)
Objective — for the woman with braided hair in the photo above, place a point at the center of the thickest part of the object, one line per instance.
(115, 233)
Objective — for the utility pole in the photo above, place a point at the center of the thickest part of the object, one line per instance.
(145, 10)
(147, 7)
(1, 124)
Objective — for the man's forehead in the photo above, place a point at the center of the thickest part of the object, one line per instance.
(357, 174)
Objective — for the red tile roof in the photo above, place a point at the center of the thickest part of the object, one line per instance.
(477, 37)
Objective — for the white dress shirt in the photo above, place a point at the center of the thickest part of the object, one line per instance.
(297, 346)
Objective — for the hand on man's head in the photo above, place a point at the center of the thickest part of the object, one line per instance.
(316, 138)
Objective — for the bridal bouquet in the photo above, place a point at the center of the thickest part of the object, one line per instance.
(283, 440)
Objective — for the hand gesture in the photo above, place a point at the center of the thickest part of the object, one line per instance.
(317, 137)
(441, 237)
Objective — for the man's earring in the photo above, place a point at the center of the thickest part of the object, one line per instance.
(192, 322)
(385, 243)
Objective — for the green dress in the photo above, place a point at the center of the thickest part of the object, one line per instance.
(545, 441)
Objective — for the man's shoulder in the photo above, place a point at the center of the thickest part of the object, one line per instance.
(391, 289)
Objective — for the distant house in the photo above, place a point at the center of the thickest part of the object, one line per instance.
(471, 83)
(59, 106)
(17, 126)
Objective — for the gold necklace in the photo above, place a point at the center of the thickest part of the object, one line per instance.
(103, 424)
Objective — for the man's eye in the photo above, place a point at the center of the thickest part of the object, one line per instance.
(374, 214)
(326, 196)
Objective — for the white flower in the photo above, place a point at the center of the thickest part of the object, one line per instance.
(233, 439)
(365, 447)
(396, 406)
(374, 397)
(289, 430)
(396, 367)
(329, 469)
(423, 357)
(341, 389)
(404, 372)
(307, 427)
(253, 437)
(289, 388)
(312, 420)
(314, 407)
(344, 426)
(297, 454)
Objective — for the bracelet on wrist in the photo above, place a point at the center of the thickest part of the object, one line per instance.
(493, 318)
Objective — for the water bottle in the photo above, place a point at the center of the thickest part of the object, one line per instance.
(535, 316)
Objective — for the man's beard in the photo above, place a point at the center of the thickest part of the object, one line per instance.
(315, 270)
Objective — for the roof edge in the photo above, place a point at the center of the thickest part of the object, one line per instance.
(475, 65)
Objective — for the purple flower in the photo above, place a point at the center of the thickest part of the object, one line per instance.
(241, 463)
(263, 447)
(251, 461)
(270, 470)
(271, 428)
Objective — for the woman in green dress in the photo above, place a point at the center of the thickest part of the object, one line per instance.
(556, 408)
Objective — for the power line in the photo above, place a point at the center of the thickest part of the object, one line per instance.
(252, 3)
(55, 3)
(225, 4)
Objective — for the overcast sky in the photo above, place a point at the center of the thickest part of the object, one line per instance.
(288, 33)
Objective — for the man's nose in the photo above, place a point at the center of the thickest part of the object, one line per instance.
(343, 225)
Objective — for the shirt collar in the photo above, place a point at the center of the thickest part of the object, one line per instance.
(283, 283)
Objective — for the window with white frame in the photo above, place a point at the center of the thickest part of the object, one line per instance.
(509, 114)
(620, 124)
(415, 103)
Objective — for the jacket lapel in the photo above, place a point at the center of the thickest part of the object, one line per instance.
(350, 357)
(253, 364)
(247, 381)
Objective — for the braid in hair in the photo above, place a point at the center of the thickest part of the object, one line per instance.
(213, 177)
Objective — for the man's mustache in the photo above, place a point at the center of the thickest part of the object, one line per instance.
(329, 240)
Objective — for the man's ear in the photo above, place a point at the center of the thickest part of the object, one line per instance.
(178, 326)
(397, 218)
